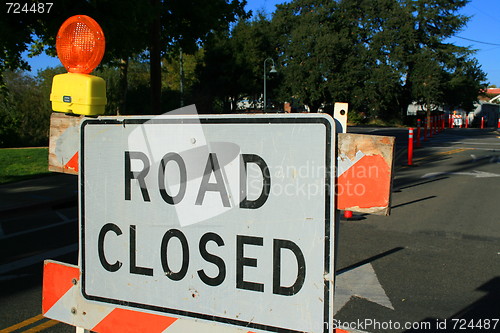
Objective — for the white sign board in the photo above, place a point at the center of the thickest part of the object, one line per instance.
(220, 218)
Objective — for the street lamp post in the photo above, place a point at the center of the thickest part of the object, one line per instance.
(273, 70)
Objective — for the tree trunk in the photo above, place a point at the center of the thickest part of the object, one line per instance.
(155, 61)
(314, 107)
(406, 92)
(181, 70)
(123, 84)
(428, 115)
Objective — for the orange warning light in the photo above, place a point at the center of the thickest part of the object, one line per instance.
(80, 44)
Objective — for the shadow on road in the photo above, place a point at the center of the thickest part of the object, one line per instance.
(414, 201)
(482, 315)
(369, 260)
(413, 180)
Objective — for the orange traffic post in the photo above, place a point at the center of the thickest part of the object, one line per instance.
(410, 146)
(482, 122)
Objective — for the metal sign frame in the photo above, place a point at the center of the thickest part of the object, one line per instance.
(262, 120)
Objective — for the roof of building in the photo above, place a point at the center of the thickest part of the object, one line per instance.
(493, 91)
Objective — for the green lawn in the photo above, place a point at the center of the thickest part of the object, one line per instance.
(22, 163)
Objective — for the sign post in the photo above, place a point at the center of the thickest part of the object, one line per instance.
(216, 218)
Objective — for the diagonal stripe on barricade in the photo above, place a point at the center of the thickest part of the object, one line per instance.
(133, 321)
(182, 326)
(57, 280)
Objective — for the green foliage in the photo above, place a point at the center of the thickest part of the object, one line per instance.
(19, 164)
(24, 111)
(138, 90)
(356, 118)
(464, 82)
(233, 67)
(131, 27)
(172, 74)
(378, 55)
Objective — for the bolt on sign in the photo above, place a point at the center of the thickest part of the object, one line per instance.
(226, 219)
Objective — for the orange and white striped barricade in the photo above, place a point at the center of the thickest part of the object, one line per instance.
(62, 300)
(95, 297)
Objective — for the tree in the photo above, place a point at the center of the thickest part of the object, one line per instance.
(18, 33)
(25, 110)
(221, 77)
(131, 28)
(184, 24)
(306, 46)
(378, 55)
(464, 83)
(428, 24)
(232, 69)
(427, 81)
(179, 73)
(334, 51)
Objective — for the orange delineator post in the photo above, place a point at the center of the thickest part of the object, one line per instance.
(410, 146)
(482, 122)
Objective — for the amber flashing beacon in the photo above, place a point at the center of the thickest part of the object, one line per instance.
(80, 45)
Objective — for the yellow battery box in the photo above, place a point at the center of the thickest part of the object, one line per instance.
(79, 94)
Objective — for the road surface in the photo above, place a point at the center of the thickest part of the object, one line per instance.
(433, 264)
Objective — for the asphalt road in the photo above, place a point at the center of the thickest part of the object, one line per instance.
(434, 262)
(38, 220)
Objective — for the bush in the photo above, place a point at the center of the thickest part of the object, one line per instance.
(24, 111)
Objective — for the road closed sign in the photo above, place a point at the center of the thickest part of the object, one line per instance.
(226, 219)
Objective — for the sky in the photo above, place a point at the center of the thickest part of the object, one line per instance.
(482, 33)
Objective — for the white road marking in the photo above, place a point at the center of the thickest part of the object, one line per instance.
(475, 174)
(361, 282)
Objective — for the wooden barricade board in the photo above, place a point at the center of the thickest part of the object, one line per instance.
(64, 142)
(364, 171)
(364, 178)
